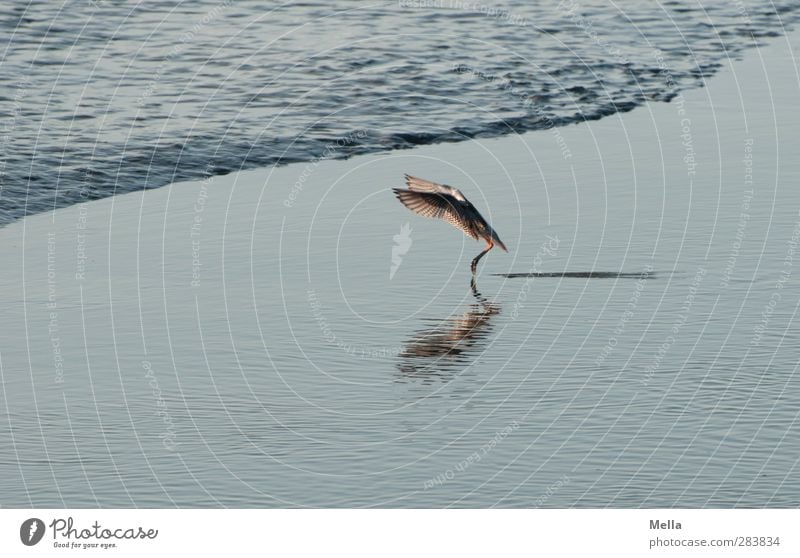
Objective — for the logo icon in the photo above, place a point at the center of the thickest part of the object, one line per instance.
(402, 243)
(31, 531)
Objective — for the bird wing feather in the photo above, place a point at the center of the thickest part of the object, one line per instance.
(438, 205)
(421, 185)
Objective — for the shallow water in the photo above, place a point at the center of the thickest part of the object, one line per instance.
(241, 342)
(110, 97)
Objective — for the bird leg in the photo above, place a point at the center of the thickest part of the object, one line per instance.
(474, 266)
(475, 292)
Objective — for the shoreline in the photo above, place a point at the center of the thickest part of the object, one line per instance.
(348, 143)
(677, 99)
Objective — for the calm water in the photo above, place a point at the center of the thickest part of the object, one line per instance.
(244, 342)
(103, 97)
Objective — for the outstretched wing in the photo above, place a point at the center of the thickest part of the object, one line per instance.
(438, 205)
(420, 185)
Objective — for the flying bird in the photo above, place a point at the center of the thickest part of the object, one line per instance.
(439, 201)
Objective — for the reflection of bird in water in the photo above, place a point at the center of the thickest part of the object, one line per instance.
(440, 201)
(450, 343)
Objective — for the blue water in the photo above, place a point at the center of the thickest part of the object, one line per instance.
(104, 97)
(293, 336)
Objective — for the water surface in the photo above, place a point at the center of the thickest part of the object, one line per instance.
(244, 342)
(110, 97)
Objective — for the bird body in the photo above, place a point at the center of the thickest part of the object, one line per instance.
(440, 201)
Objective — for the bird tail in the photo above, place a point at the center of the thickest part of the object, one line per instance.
(496, 240)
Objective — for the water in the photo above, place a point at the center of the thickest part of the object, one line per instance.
(108, 97)
(243, 342)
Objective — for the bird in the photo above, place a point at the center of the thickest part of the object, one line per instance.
(440, 201)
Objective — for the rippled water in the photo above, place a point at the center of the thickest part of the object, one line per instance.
(104, 97)
(293, 336)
